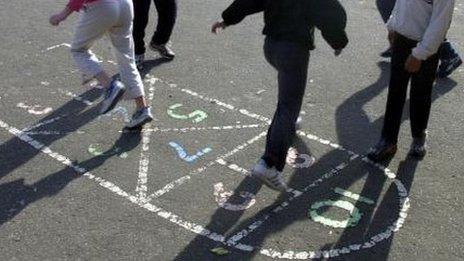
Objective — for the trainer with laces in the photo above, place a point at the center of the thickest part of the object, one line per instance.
(289, 29)
(114, 18)
(167, 13)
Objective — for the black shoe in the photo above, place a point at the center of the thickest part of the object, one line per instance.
(163, 50)
(381, 151)
(387, 53)
(418, 148)
(448, 66)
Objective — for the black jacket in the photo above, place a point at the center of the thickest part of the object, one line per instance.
(294, 20)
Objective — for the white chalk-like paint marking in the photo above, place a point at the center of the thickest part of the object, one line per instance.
(404, 203)
(255, 225)
(353, 195)
(216, 101)
(178, 182)
(294, 158)
(355, 214)
(76, 97)
(52, 133)
(190, 226)
(216, 128)
(57, 46)
(144, 162)
(33, 109)
(222, 197)
(43, 123)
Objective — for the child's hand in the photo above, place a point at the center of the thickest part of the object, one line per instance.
(216, 26)
(412, 64)
(391, 37)
(56, 19)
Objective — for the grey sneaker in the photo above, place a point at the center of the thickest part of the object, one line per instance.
(163, 49)
(271, 177)
(140, 118)
(139, 59)
(113, 95)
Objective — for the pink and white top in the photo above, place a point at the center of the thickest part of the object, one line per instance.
(76, 5)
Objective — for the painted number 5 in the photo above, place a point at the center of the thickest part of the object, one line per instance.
(196, 116)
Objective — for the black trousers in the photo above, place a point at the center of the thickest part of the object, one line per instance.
(291, 62)
(420, 99)
(167, 13)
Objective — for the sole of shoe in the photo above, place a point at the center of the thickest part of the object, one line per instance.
(114, 102)
(154, 49)
(267, 183)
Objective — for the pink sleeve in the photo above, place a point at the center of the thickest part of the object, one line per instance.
(75, 5)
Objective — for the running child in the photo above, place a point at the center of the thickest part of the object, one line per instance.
(289, 29)
(112, 18)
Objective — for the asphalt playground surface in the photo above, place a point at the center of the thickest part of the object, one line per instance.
(73, 186)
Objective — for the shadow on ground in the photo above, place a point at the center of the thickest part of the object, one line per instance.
(355, 131)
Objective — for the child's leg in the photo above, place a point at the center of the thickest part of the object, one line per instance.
(385, 8)
(141, 14)
(397, 89)
(121, 38)
(421, 96)
(291, 61)
(167, 12)
(92, 25)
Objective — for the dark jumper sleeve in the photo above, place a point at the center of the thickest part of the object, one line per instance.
(239, 9)
(329, 16)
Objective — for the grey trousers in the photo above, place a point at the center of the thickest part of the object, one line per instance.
(291, 62)
(114, 19)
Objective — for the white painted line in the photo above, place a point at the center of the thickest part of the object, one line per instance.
(296, 194)
(170, 186)
(216, 101)
(142, 188)
(52, 133)
(218, 128)
(33, 109)
(195, 228)
(43, 123)
(57, 46)
(354, 196)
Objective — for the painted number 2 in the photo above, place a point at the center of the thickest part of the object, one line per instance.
(183, 154)
(355, 213)
(196, 116)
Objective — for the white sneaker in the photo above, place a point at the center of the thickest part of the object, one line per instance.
(269, 176)
(140, 118)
